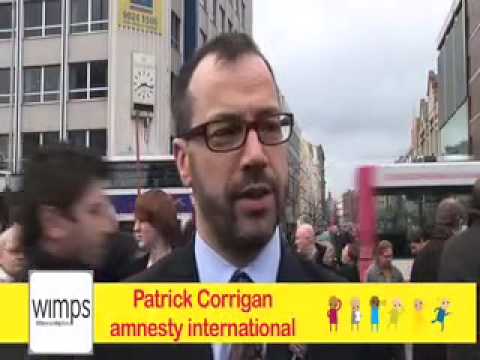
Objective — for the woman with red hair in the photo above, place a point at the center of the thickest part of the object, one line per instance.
(156, 227)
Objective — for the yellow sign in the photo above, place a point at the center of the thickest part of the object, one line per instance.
(261, 313)
(285, 313)
(141, 15)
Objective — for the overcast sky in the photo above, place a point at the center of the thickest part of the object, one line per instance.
(352, 71)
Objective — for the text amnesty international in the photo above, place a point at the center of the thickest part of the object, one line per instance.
(273, 313)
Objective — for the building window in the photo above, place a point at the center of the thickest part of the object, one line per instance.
(214, 12)
(203, 37)
(222, 17)
(42, 18)
(49, 138)
(88, 15)
(77, 138)
(175, 36)
(30, 144)
(230, 26)
(173, 80)
(88, 80)
(243, 14)
(98, 141)
(5, 21)
(41, 84)
(4, 86)
(4, 142)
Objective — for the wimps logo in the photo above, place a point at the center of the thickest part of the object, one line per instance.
(60, 312)
(61, 308)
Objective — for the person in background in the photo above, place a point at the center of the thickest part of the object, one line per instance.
(188, 231)
(344, 237)
(349, 268)
(460, 262)
(383, 270)
(449, 218)
(305, 242)
(66, 218)
(12, 260)
(418, 241)
(156, 227)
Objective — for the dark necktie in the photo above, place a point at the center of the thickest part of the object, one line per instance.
(245, 351)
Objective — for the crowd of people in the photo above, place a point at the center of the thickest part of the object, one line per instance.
(445, 252)
(231, 150)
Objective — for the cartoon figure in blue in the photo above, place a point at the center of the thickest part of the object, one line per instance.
(375, 313)
(442, 313)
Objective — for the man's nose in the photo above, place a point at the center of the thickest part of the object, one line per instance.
(253, 152)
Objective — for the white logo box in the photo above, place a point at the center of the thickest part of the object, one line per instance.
(61, 312)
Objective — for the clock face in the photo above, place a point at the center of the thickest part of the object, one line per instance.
(144, 86)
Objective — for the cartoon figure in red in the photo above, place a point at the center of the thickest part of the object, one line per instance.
(335, 306)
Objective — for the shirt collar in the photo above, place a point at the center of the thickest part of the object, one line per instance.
(212, 268)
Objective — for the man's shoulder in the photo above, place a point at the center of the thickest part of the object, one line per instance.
(466, 242)
(302, 270)
(178, 266)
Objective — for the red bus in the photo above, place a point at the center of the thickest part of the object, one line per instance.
(397, 200)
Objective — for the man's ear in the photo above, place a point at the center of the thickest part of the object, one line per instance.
(52, 223)
(183, 161)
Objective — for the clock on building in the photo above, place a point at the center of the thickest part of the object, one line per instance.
(144, 86)
(143, 82)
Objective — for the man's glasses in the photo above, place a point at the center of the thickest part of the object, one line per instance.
(231, 133)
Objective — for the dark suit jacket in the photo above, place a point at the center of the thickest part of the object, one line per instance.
(180, 266)
(460, 262)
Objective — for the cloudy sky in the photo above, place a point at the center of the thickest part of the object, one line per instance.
(352, 71)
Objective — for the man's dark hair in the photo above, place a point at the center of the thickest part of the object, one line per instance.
(228, 47)
(55, 176)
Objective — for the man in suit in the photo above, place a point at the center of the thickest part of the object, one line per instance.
(460, 263)
(232, 150)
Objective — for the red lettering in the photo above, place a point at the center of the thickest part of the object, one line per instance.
(138, 295)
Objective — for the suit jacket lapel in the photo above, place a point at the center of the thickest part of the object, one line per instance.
(290, 269)
(184, 269)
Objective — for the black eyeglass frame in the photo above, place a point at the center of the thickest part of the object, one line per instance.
(201, 130)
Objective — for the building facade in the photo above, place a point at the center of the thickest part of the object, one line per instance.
(349, 206)
(459, 80)
(432, 130)
(473, 41)
(425, 132)
(67, 70)
(310, 208)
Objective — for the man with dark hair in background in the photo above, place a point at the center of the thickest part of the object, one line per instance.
(66, 219)
(231, 149)
(460, 262)
(449, 217)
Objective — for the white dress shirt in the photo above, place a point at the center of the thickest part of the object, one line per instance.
(212, 268)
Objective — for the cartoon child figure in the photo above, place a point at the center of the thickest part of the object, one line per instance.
(442, 313)
(374, 313)
(356, 315)
(335, 306)
(395, 311)
(418, 320)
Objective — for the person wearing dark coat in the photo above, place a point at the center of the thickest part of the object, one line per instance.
(449, 217)
(349, 267)
(232, 151)
(460, 262)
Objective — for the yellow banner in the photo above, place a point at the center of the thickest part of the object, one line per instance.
(13, 313)
(274, 313)
(285, 313)
(141, 15)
